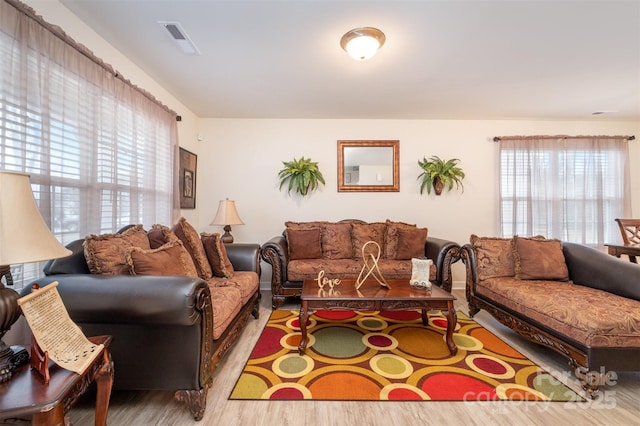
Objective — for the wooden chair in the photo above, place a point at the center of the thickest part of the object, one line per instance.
(630, 230)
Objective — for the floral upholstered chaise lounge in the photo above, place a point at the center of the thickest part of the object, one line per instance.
(574, 299)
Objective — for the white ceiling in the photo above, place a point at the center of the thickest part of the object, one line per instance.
(480, 59)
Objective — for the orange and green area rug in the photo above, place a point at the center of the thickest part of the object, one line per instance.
(389, 356)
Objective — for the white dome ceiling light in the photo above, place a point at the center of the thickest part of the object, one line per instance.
(362, 43)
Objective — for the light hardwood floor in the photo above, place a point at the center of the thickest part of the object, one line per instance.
(617, 405)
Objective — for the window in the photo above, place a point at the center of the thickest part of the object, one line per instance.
(100, 152)
(571, 189)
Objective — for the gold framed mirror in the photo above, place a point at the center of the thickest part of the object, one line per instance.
(368, 166)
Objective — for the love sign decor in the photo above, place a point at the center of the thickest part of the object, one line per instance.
(324, 281)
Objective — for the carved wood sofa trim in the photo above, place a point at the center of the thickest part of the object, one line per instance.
(578, 360)
(213, 351)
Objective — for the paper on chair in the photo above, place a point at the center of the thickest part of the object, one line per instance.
(55, 332)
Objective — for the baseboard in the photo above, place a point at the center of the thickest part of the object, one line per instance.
(458, 285)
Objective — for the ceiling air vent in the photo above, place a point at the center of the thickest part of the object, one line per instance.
(180, 37)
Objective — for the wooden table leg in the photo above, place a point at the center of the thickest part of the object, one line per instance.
(104, 381)
(55, 416)
(302, 319)
(452, 319)
(425, 317)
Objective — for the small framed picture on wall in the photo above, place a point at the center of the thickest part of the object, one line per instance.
(187, 178)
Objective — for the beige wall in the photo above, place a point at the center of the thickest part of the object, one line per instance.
(240, 159)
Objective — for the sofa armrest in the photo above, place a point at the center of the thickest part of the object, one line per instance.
(125, 299)
(276, 253)
(468, 257)
(244, 256)
(592, 268)
(73, 264)
(443, 253)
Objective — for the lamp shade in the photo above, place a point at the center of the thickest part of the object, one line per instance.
(24, 236)
(227, 214)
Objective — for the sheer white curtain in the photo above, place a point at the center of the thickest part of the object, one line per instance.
(570, 188)
(101, 152)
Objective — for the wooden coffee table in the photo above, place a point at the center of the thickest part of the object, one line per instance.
(372, 297)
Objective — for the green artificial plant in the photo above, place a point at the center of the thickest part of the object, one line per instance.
(438, 173)
(303, 176)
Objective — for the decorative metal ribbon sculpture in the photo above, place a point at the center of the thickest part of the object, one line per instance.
(371, 268)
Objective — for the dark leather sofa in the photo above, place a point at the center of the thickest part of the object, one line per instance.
(276, 253)
(593, 319)
(162, 327)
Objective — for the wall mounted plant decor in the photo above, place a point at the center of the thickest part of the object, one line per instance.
(438, 174)
(303, 176)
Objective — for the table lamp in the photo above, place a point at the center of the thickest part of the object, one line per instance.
(24, 237)
(227, 215)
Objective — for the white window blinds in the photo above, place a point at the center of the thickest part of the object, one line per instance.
(99, 151)
(571, 189)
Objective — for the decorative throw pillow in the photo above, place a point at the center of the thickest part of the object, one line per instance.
(361, 233)
(537, 259)
(336, 241)
(217, 254)
(159, 235)
(106, 254)
(192, 242)
(494, 257)
(391, 238)
(304, 243)
(410, 242)
(303, 225)
(171, 259)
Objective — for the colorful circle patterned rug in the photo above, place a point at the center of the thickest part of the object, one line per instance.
(389, 356)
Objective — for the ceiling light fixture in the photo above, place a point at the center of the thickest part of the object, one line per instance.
(362, 43)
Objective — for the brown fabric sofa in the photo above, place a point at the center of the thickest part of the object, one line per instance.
(174, 302)
(305, 248)
(576, 300)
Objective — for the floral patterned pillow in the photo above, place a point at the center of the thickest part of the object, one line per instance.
(171, 259)
(217, 255)
(336, 241)
(106, 253)
(494, 257)
(361, 233)
(192, 242)
(400, 230)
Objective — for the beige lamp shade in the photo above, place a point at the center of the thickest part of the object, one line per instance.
(227, 215)
(24, 236)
